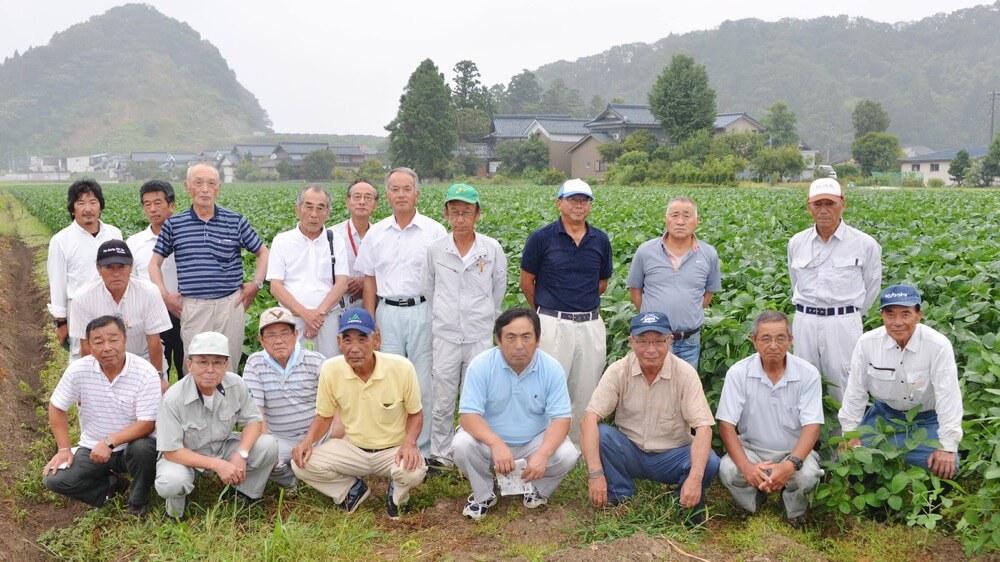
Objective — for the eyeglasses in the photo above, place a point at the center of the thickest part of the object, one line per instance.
(309, 208)
(658, 342)
(768, 340)
(359, 197)
(271, 336)
(467, 215)
(404, 189)
(578, 200)
(214, 364)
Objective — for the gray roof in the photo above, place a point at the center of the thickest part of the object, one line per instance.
(911, 151)
(255, 150)
(513, 126)
(723, 120)
(634, 114)
(563, 125)
(150, 156)
(599, 136)
(351, 151)
(942, 155)
(303, 147)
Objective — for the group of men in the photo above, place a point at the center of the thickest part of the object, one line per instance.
(382, 328)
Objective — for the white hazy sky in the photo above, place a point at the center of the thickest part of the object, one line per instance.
(340, 67)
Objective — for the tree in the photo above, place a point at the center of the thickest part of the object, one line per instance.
(472, 124)
(869, 117)
(318, 165)
(596, 106)
(518, 156)
(610, 151)
(245, 169)
(559, 99)
(423, 133)
(682, 99)
(780, 122)
(779, 162)
(469, 92)
(524, 93)
(640, 140)
(958, 166)
(991, 163)
(744, 145)
(288, 171)
(372, 171)
(876, 152)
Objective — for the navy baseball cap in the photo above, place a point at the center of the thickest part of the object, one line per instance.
(899, 295)
(649, 322)
(357, 319)
(114, 251)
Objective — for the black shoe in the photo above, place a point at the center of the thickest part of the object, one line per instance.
(117, 486)
(391, 509)
(357, 494)
(138, 511)
(759, 501)
(176, 520)
(797, 522)
(244, 500)
(438, 466)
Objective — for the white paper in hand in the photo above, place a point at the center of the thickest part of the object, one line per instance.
(512, 484)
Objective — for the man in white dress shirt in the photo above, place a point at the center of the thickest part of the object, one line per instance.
(393, 257)
(308, 272)
(362, 200)
(72, 252)
(905, 365)
(836, 273)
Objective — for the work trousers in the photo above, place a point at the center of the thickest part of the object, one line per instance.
(795, 494)
(224, 315)
(581, 349)
(325, 342)
(827, 342)
(87, 481)
(450, 362)
(335, 465)
(406, 331)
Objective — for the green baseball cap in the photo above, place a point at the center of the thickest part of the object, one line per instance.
(462, 192)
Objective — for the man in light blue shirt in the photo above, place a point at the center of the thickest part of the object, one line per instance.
(514, 405)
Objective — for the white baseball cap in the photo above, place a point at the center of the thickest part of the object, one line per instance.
(209, 343)
(825, 188)
(575, 187)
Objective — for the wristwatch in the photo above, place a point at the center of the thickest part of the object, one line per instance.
(243, 454)
(107, 441)
(796, 461)
(59, 322)
(260, 284)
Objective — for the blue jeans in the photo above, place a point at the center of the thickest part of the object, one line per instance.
(623, 462)
(927, 420)
(688, 350)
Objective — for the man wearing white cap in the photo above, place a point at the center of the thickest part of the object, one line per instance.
(195, 430)
(282, 378)
(836, 273)
(565, 269)
(904, 365)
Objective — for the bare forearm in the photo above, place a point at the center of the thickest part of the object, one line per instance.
(554, 436)
(414, 423)
(59, 422)
(590, 441)
(699, 451)
(370, 294)
(706, 300)
(285, 298)
(332, 298)
(733, 445)
(189, 458)
(319, 427)
(807, 440)
(155, 352)
(249, 435)
(260, 268)
(135, 430)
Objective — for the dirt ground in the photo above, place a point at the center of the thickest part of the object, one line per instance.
(22, 356)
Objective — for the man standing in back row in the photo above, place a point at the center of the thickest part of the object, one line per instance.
(836, 273)
(565, 269)
(362, 200)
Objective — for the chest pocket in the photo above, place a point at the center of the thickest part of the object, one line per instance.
(883, 382)
(390, 412)
(225, 249)
(787, 414)
(227, 415)
(845, 275)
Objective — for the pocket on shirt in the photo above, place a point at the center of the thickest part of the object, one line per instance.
(881, 382)
(195, 435)
(227, 416)
(390, 412)
(225, 250)
(917, 380)
(789, 418)
(845, 276)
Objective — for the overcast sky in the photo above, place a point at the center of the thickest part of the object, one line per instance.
(340, 67)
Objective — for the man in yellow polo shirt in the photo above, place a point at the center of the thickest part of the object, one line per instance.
(378, 398)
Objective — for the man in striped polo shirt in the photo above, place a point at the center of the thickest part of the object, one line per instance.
(282, 380)
(206, 241)
(117, 394)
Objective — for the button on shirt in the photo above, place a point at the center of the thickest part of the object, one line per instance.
(397, 256)
(374, 412)
(465, 293)
(303, 264)
(516, 407)
(184, 422)
(286, 396)
(923, 374)
(771, 415)
(141, 308)
(680, 291)
(352, 241)
(108, 406)
(846, 271)
(568, 276)
(656, 417)
(209, 263)
(72, 263)
(141, 245)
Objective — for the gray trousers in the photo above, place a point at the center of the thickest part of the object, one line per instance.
(475, 460)
(87, 481)
(282, 473)
(796, 492)
(450, 362)
(175, 481)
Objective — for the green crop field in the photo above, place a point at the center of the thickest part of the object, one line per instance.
(942, 241)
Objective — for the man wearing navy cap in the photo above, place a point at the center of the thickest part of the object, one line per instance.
(657, 400)
(905, 365)
(565, 269)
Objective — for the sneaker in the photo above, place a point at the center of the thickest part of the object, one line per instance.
(291, 491)
(357, 494)
(391, 509)
(476, 510)
(117, 486)
(244, 500)
(797, 522)
(533, 499)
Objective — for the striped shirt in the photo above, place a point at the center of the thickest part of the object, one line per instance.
(209, 264)
(107, 407)
(141, 308)
(72, 263)
(288, 402)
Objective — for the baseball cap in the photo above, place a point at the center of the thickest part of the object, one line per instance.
(276, 315)
(114, 251)
(462, 192)
(209, 343)
(649, 322)
(575, 187)
(357, 319)
(899, 295)
(825, 188)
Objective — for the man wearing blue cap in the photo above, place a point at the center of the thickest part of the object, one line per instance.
(565, 268)
(657, 400)
(905, 365)
(378, 399)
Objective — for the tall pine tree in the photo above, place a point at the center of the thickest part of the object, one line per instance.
(423, 134)
(682, 99)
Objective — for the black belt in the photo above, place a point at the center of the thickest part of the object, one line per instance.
(404, 302)
(832, 311)
(574, 316)
(374, 450)
(679, 336)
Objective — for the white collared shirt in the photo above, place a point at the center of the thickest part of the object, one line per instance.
(141, 308)
(397, 256)
(303, 264)
(923, 374)
(72, 263)
(141, 245)
(846, 271)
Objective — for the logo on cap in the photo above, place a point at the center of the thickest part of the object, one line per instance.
(354, 318)
(649, 319)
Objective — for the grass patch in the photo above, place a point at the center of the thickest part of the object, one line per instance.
(654, 510)
(876, 542)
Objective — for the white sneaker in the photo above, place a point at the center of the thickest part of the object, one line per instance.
(533, 499)
(476, 510)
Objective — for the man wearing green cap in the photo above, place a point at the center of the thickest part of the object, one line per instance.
(465, 281)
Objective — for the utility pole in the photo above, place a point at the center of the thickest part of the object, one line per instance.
(993, 109)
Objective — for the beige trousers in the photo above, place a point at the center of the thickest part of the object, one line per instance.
(334, 466)
(581, 349)
(224, 315)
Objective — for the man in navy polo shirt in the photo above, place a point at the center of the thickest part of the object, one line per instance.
(206, 241)
(565, 269)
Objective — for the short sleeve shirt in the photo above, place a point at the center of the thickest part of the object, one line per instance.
(141, 308)
(305, 266)
(288, 400)
(567, 275)
(678, 293)
(185, 422)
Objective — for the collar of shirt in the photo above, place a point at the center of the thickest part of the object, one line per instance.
(377, 373)
(531, 368)
(100, 370)
(294, 359)
(146, 235)
(417, 221)
(191, 393)
(694, 242)
(838, 234)
(666, 370)
(81, 230)
(912, 346)
(561, 229)
(215, 213)
(756, 371)
(477, 247)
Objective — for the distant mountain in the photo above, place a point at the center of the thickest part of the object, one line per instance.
(129, 79)
(933, 76)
